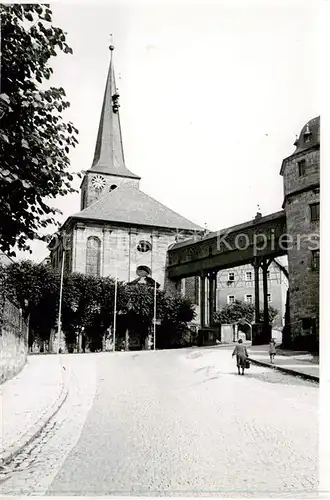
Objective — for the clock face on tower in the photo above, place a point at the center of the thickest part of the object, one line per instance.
(98, 182)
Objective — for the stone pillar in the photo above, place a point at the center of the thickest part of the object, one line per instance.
(202, 306)
(286, 333)
(265, 291)
(256, 265)
(212, 287)
(267, 329)
(215, 281)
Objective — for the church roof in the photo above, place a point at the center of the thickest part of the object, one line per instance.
(128, 205)
(109, 153)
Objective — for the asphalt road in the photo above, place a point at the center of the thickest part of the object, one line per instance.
(176, 423)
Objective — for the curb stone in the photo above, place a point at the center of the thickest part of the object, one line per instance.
(306, 376)
(35, 430)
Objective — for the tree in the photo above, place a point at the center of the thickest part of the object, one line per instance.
(34, 140)
(272, 313)
(137, 309)
(175, 313)
(88, 304)
(35, 288)
(238, 311)
(232, 313)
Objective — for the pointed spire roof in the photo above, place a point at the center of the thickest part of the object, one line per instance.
(109, 153)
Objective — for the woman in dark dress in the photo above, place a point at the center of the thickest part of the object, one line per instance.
(241, 355)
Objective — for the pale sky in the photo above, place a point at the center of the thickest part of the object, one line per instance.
(212, 95)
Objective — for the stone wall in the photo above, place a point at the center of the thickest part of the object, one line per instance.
(292, 180)
(13, 340)
(301, 191)
(304, 280)
(119, 249)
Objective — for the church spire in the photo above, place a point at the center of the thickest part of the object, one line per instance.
(109, 153)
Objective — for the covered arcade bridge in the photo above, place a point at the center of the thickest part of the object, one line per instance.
(255, 242)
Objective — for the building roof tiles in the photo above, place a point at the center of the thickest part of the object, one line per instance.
(129, 205)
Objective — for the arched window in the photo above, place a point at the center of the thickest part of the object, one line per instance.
(93, 256)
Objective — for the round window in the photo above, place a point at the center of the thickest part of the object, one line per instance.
(144, 246)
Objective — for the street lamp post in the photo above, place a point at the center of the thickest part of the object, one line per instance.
(115, 315)
(155, 312)
(60, 305)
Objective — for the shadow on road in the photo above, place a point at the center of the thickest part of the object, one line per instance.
(275, 377)
(270, 376)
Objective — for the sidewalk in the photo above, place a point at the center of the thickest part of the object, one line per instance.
(29, 401)
(298, 363)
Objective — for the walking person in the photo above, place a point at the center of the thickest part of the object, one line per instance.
(241, 356)
(272, 350)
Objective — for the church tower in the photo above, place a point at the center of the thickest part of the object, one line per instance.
(120, 230)
(108, 169)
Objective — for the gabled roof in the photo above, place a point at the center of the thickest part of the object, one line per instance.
(109, 153)
(128, 205)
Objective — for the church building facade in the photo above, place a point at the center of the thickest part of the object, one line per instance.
(120, 231)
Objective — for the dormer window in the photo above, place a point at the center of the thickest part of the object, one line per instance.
(302, 168)
(307, 134)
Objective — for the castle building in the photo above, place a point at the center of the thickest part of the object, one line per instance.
(120, 231)
(238, 284)
(301, 179)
